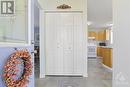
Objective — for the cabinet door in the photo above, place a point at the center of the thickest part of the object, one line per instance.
(98, 51)
(93, 34)
(106, 56)
(103, 55)
(110, 58)
(101, 36)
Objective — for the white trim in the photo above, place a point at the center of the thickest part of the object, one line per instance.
(85, 75)
(108, 68)
(64, 74)
(37, 4)
(6, 44)
(42, 75)
(63, 11)
(29, 21)
(42, 45)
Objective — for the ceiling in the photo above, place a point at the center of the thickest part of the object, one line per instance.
(99, 13)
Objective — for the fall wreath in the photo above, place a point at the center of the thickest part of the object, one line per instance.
(11, 69)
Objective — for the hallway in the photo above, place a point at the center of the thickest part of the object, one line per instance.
(98, 77)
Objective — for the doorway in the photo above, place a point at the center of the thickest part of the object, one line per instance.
(36, 40)
(98, 75)
(100, 40)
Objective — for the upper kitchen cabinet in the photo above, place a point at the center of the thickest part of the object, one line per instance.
(14, 21)
(101, 35)
(51, 5)
(104, 35)
(93, 35)
(107, 34)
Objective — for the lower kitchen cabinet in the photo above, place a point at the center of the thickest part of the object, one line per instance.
(110, 62)
(106, 54)
(98, 51)
(107, 57)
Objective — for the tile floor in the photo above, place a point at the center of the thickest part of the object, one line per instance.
(98, 77)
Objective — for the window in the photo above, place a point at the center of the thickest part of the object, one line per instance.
(108, 34)
(14, 25)
(111, 36)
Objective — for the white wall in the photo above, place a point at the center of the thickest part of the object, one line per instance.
(36, 15)
(51, 5)
(77, 5)
(121, 54)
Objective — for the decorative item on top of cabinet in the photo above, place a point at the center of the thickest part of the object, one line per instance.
(64, 6)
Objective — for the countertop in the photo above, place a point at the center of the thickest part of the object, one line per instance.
(106, 46)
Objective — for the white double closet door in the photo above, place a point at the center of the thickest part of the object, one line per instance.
(64, 44)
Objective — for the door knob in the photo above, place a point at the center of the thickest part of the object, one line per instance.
(34, 52)
(32, 42)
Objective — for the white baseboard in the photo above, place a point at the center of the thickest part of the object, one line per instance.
(42, 75)
(108, 68)
(85, 75)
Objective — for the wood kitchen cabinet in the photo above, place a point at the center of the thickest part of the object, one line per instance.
(106, 54)
(103, 35)
(110, 56)
(103, 50)
(93, 34)
(98, 51)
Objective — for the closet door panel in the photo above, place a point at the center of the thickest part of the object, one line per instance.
(59, 46)
(78, 44)
(64, 44)
(67, 19)
(54, 44)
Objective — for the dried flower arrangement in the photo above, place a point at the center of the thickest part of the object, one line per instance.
(11, 70)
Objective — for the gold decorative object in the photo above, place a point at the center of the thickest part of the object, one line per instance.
(64, 6)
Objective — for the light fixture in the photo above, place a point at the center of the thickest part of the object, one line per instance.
(89, 23)
(109, 25)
